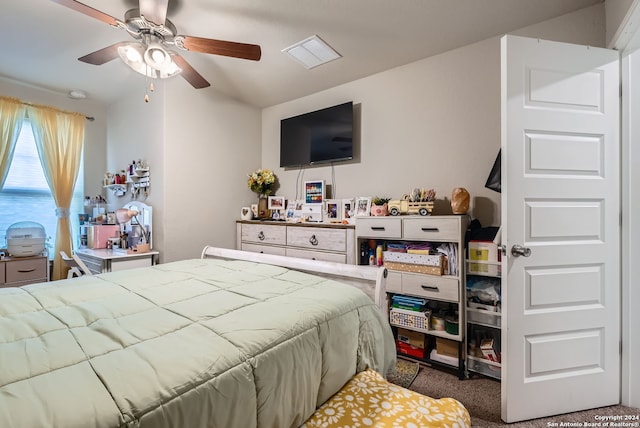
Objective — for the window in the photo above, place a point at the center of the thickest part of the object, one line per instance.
(26, 195)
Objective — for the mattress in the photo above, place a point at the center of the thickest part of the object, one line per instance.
(194, 343)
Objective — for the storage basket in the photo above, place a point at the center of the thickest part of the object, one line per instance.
(25, 238)
(411, 319)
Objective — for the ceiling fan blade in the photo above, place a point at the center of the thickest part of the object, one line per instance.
(190, 74)
(221, 47)
(154, 10)
(103, 55)
(89, 11)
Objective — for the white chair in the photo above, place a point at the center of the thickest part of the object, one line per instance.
(76, 266)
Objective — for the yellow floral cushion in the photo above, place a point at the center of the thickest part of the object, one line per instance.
(368, 400)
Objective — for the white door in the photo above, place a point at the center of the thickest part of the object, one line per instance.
(560, 203)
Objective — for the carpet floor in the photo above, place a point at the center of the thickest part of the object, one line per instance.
(481, 397)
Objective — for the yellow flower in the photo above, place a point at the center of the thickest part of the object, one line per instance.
(263, 182)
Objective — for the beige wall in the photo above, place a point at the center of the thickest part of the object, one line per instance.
(433, 123)
(199, 145)
(211, 143)
(616, 15)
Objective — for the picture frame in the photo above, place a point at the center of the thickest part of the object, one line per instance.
(333, 208)
(363, 206)
(294, 210)
(314, 192)
(276, 202)
(348, 210)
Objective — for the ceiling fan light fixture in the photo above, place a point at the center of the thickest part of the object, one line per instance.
(132, 54)
(156, 57)
(143, 61)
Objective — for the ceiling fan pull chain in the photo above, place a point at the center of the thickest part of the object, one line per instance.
(147, 86)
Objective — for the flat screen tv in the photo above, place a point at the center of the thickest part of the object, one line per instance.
(317, 137)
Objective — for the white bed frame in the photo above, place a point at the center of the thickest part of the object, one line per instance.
(371, 280)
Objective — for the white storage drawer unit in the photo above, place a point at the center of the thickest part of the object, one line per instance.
(379, 227)
(431, 286)
(431, 229)
(440, 291)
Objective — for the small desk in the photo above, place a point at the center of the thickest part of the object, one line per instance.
(103, 260)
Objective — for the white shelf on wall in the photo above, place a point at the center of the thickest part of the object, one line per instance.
(117, 189)
(139, 178)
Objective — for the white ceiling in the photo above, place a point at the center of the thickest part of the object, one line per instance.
(41, 40)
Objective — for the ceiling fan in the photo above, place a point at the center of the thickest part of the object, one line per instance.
(154, 33)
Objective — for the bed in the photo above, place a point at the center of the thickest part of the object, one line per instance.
(231, 339)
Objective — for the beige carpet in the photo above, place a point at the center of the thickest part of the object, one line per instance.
(481, 397)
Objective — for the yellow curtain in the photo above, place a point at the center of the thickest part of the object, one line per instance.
(59, 138)
(11, 115)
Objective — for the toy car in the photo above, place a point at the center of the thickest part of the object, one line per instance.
(404, 206)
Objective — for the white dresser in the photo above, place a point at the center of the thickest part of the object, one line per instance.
(315, 241)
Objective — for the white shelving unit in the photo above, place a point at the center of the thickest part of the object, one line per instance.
(484, 321)
(440, 291)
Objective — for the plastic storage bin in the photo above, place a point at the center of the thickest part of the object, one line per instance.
(25, 239)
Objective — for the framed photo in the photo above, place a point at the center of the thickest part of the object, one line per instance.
(294, 210)
(363, 206)
(275, 202)
(348, 209)
(333, 208)
(314, 192)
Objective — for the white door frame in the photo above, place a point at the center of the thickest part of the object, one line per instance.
(627, 41)
(630, 250)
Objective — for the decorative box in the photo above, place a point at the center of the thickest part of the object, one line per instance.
(410, 267)
(407, 349)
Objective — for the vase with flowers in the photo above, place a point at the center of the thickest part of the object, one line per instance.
(264, 182)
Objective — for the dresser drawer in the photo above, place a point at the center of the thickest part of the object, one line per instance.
(430, 286)
(264, 249)
(317, 238)
(432, 228)
(316, 255)
(28, 270)
(382, 227)
(394, 282)
(94, 264)
(264, 234)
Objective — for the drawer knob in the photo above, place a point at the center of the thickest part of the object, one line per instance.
(429, 229)
(26, 270)
(377, 228)
(430, 288)
(261, 236)
(313, 240)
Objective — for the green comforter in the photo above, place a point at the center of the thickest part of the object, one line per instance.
(195, 343)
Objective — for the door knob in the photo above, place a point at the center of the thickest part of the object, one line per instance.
(519, 250)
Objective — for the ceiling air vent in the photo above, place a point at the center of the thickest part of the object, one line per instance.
(312, 52)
